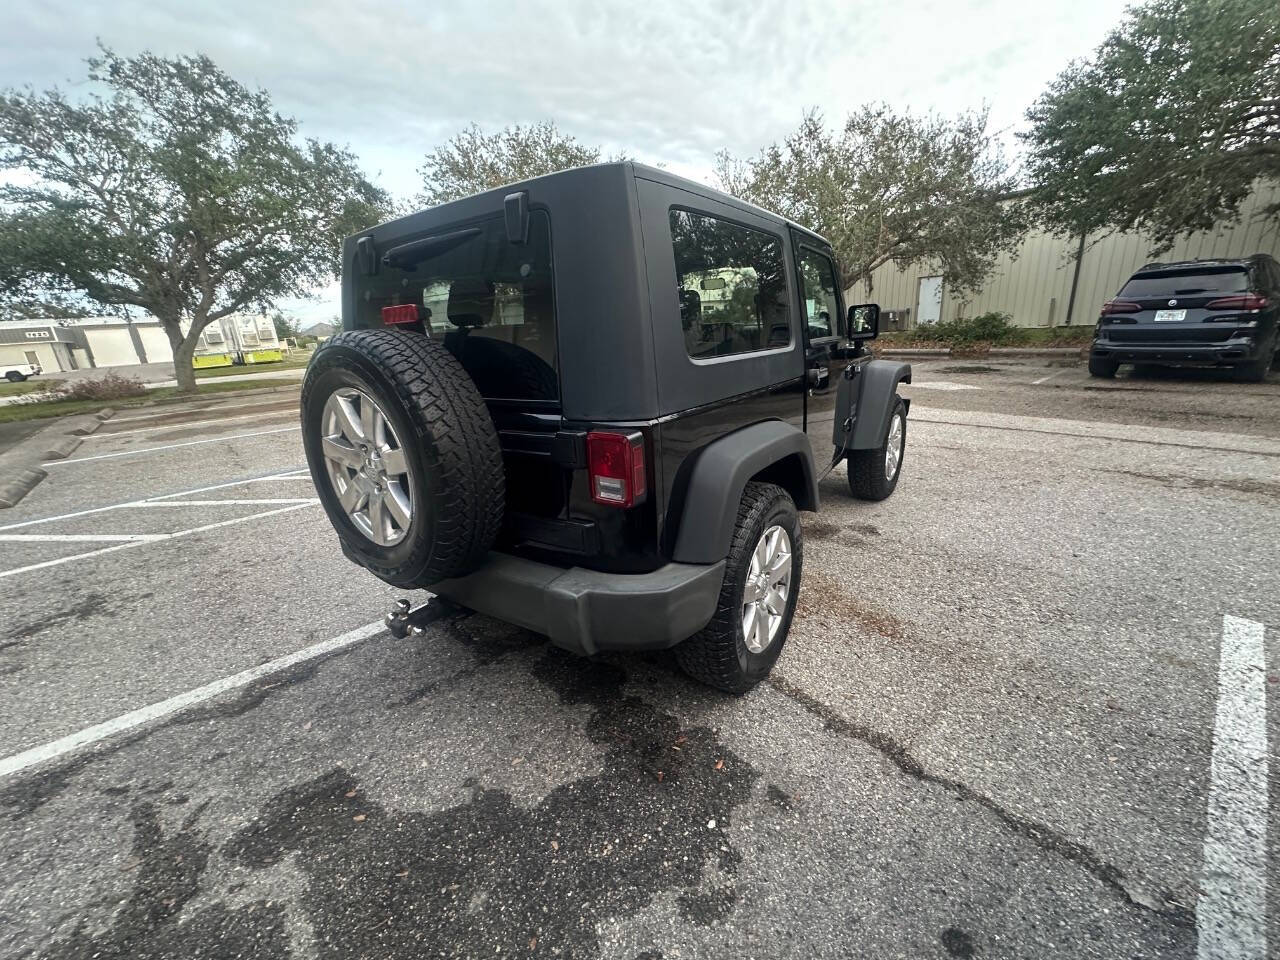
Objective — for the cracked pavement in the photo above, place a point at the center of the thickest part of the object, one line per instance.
(988, 736)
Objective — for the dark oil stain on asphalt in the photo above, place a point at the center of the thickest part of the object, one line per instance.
(146, 926)
(1043, 836)
(93, 605)
(957, 943)
(488, 876)
(484, 651)
(1261, 488)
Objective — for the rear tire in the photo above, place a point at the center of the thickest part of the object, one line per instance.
(441, 456)
(720, 655)
(1253, 372)
(1102, 368)
(873, 474)
(13, 376)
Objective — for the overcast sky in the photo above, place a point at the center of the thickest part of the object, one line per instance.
(666, 82)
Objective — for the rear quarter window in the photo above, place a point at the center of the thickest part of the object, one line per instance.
(490, 301)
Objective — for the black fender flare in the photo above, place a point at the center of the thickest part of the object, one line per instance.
(877, 384)
(719, 475)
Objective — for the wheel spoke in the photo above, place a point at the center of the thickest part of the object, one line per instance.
(776, 601)
(369, 418)
(780, 568)
(347, 418)
(341, 452)
(397, 504)
(752, 591)
(378, 517)
(350, 497)
(762, 629)
(749, 616)
(760, 560)
(393, 462)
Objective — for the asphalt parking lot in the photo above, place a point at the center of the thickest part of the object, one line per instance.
(991, 734)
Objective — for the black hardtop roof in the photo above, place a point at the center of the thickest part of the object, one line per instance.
(1208, 263)
(639, 170)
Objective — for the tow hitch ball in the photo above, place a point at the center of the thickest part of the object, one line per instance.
(404, 621)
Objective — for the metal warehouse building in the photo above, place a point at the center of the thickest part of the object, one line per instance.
(1045, 286)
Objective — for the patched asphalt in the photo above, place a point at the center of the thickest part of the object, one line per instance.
(989, 734)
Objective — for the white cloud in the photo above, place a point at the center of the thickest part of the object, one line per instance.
(665, 81)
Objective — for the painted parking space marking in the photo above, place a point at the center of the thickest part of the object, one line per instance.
(261, 502)
(171, 446)
(1036, 383)
(159, 538)
(298, 473)
(78, 537)
(1231, 917)
(185, 424)
(944, 385)
(165, 708)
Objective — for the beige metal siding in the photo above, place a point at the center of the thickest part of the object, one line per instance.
(16, 353)
(1035, 286)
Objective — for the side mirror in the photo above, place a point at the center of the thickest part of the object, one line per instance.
(864, 321)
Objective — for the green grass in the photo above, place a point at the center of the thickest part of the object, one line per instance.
(59, 408)
(295, 362)
(8, 389)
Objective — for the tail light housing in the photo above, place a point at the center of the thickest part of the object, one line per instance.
(1247, 301)
(616, 464)
(1120, 306)
(404, 313)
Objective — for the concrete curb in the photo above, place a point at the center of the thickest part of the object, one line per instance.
(993, 353)
(21, 471)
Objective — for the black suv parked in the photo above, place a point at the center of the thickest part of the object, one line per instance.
(1217, 313)
(591, 404)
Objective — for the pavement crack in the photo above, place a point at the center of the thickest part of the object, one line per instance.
(1043, 836)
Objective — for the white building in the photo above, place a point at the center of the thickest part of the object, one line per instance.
(88, 342)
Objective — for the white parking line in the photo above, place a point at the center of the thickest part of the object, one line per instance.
(182, 425)
(45, 564)
(265, 501)
(79, 537)
(1231, 912)
(944, 385)
(298, 474)
(1035, 383)
(171, 446)
(158, 711)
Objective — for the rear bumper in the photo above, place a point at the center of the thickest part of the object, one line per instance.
(586, 611)
(1226, 353)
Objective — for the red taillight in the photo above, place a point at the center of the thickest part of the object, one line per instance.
(404, 313)
(1120, 306)
(616, 464)
(1248, 301)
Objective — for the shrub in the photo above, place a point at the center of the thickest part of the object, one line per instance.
(110, 387)
(986, 328)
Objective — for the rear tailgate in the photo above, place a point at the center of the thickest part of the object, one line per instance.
(1174, 306)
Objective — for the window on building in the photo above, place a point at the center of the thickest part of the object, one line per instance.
(821, 304)
(731, 283)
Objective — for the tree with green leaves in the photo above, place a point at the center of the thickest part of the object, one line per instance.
(1167, 127)
(172, 189)
(286, 327)
(890, 187)
(474, 161)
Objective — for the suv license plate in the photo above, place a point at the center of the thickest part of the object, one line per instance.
(1165, 316)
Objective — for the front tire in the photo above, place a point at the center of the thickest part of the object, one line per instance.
(13, 376)
(873, 474)
(740, 645)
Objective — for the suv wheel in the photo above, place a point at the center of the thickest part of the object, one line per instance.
(404, 455)
(740, 645)
(873, 474)
(1254, 371)
(1102, 368)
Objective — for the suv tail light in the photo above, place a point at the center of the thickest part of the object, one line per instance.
(1248, 301)
(1120, 306)
(404, 313)
(615, 462)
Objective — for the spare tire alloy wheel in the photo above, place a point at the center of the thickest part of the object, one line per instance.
(366, 465)
(764, 599)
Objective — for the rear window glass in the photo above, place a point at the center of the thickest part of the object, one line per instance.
(489, 300)
(732, 286)
(1187, 284)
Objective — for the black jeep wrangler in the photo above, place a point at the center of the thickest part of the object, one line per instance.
(591, 404)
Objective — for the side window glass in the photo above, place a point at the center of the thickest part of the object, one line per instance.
(821, 306)
(731, 285)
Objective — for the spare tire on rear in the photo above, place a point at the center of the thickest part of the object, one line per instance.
(404, 455)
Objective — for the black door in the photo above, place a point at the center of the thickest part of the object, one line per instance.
(820, 313)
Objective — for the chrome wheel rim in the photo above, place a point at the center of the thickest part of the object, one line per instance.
(764, 599)
(366, 466)
(893, 448)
